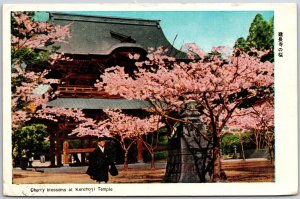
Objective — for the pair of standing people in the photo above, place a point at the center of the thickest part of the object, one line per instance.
(101, 163)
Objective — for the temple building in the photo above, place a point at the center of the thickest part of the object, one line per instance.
(97, 43)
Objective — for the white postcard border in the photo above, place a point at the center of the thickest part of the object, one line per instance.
(286, 165)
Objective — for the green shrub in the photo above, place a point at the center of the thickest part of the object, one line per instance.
(28, 141)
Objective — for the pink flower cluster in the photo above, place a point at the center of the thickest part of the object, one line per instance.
(259, 117)
(33, 35)
(36, 34)
(57, 113)
(119, 124)
(19, 117)
(169, 84)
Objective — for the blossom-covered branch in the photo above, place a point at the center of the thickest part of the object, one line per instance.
(218, 87)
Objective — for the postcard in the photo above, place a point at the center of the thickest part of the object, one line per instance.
(190, 99)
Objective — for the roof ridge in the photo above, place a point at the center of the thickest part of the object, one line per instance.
(103, 19)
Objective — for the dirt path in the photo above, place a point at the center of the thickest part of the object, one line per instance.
(130, 176)
(249, 171)
(236, 171)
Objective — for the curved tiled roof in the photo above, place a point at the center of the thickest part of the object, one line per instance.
(93, 103)
(95, 35)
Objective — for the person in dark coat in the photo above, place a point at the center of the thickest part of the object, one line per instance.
(101, 163)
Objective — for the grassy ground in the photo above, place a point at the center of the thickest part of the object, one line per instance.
(236, 171)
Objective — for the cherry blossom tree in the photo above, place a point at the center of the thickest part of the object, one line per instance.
(29, 46)
(27, 40)
(114, 127)
(60, 114)
(125, 129)
(218, 88)
(150, 141)
(149, 129)
(258, 119)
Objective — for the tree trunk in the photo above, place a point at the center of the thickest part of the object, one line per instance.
(126, 161)
(260, 142)
(256, 141)
(152, 160)
(217, 158)
(270, 150)
(271, 154)
(242, 147)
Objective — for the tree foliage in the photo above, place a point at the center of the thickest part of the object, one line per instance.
(241, 43)
(30, 139)
(231, 139)
(260, 37)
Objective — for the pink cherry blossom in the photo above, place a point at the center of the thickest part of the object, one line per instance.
(34, 35)
(259, 119)
(124, 128)
(212, 84)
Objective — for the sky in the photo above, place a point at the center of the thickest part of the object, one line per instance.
(207, 29)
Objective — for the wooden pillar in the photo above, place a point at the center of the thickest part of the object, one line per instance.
(52, 149)
(82, 154)
(140, 150)
(66, 152)
(58, 150)
(89, 146)
(90, 143)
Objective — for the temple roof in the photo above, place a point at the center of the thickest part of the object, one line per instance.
(95, 35)
(93, 103)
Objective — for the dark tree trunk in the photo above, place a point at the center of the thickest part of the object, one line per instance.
(217, 158)
(256, 142)
(242, 147)
(152, 160)
(126, 161)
